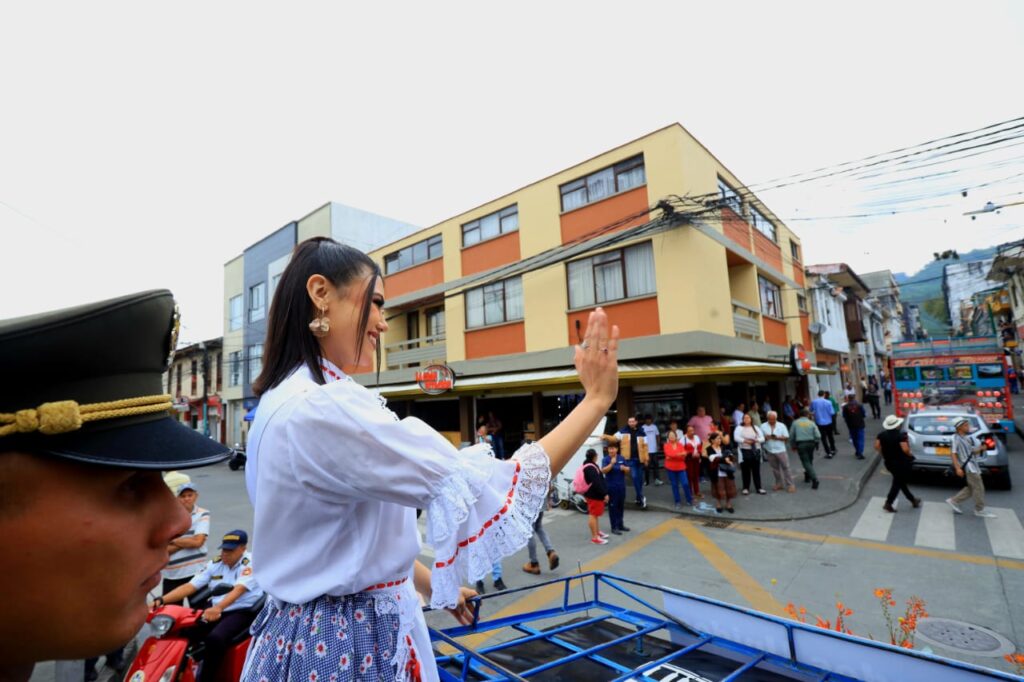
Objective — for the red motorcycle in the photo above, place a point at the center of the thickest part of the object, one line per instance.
(174, 650)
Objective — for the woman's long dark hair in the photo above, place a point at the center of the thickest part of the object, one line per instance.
(289, 341)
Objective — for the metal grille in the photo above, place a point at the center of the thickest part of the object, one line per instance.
(965, 637)
(716, 523)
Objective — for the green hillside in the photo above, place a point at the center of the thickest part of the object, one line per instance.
(925, 289)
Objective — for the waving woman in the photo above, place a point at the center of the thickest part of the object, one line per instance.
(335, 478)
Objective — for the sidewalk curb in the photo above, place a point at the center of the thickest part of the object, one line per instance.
(852, 494)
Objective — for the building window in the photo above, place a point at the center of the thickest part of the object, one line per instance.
(420, 252)
(257, 302)
(771, 297)
(255, 361)
(219, 383)
(435, 322)
(801, 303)
(235, 313)
(604, 183)
(762, 224)
(274, 281)
(495, 303)
(500, 222)
(794, 250)
(235, 368)
(195, 377)
(729, 197)
(611, 276)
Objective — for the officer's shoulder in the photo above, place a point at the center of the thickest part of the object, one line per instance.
(246, 560)
(215, 560)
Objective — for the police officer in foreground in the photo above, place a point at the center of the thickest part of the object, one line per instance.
(85, 517)
(230, 614)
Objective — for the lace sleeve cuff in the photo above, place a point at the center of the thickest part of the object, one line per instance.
(482, 512)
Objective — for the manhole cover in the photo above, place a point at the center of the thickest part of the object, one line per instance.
(966, 637)
(715, 523)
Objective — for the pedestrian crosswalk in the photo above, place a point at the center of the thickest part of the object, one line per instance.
(937, 526)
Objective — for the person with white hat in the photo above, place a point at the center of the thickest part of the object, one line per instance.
(893, 444)
(966, 467)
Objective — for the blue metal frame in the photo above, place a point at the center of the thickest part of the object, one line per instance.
(480, 663)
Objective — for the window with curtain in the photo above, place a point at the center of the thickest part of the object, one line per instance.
(435, 321)
(622, 176)
(420, 252)
(495, 303)
(235, 368)
(490, 226)
(611, 276)
(794, 250)
(771, 297)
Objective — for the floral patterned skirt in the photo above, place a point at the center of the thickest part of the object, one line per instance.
(363, 636)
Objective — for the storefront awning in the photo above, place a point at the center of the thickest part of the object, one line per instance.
(566, 377)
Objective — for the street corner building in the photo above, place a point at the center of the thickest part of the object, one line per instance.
(705, 282)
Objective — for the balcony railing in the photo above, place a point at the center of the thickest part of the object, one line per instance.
(423, 350)
(746, 321)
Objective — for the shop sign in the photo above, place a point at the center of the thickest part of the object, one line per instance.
(436, 379)
(798, 359)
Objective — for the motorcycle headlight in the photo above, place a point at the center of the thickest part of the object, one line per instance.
(168, 674)
(161, 625)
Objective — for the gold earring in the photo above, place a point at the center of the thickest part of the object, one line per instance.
(321, 325)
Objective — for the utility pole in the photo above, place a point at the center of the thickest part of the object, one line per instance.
(206, 384)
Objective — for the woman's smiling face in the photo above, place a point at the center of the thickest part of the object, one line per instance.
(343, 345)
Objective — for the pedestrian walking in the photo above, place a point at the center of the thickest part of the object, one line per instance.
(824, 416)
(776, 441)
(335, 478)
(723, 472)
(853, 415)
(892, 442)
(597, 497)
(533, 566)
(804, 437)
(634, 448)
(615, 467)
(965, 453)
(871, 398)
(835, 415)
(887, 390)
(675, 467)
(748, 440)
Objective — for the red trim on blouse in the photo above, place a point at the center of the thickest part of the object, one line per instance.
(487, 524)
(381, 586)
(330, 372)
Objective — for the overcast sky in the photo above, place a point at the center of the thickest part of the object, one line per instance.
(144, 145)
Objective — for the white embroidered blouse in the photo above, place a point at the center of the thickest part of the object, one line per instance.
(335, 478)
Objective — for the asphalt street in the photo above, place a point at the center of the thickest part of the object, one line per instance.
(966, 569)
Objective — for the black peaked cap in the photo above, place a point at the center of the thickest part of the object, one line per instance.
(113, 350)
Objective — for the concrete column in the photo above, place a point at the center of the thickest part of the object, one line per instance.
(538, 415)
(624, 404)
(467, 427)
(707, 395)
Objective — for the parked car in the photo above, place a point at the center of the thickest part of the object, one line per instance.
(930, 434)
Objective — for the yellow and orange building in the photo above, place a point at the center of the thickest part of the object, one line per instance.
(704, 281)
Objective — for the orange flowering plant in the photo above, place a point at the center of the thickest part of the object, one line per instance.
(1016, 659)
(901, 628)
(800, 614)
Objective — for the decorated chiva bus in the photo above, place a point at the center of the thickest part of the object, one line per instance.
(966, 371)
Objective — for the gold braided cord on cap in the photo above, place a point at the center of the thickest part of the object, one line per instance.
(67, 415)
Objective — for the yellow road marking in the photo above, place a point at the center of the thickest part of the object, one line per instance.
(744, 583)
(880, 546)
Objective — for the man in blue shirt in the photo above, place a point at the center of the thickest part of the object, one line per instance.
(824, 416)
(614, 466)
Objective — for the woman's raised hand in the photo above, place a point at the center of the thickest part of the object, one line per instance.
(597, 358)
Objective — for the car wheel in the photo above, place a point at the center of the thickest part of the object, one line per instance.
(232, 464)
